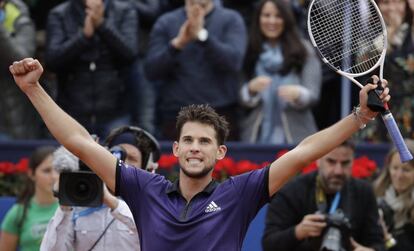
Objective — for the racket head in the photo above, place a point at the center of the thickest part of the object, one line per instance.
(350, 35)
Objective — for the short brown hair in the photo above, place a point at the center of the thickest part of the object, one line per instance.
(203, 114)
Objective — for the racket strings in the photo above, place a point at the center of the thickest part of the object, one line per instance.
(347, 31)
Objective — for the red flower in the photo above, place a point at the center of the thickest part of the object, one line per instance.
(7, 168)
(226, 164)
(363, 167)
(22, 166)
(280, 153)
(244, 166)
(310, 168)
(167, 161)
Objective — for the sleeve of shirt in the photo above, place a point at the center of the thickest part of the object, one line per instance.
(121, 38)
(129, 183)
(161, 55)
(62, 48)
(253, 189)
(311, 80)
(9, 224)
(124, 215)
(247, 99)
(59, 233)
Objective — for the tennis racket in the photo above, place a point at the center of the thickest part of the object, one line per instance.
(351, 38)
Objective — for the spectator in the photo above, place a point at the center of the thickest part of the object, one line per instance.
(25, 223)
(17, 40)
(88, 44)
(284, 78)
(297, 215)
(395, 190)
(195, 53)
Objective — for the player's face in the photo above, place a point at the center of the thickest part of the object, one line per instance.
(335, 168)
(271, 23)
(134, 156)
(197, 150)
(402, 174)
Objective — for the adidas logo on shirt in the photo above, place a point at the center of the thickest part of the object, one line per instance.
(212, 207)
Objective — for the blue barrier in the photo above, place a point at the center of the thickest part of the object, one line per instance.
(253, 239)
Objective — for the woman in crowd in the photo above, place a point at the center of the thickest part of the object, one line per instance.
(284, 78)
(395, 191)
(26, 222)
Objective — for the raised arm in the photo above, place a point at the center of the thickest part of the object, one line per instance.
(322, 142)
(64, 128)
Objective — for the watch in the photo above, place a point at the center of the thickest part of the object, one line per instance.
(202, 35)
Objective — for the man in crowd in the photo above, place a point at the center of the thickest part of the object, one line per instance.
(197, 47)
(299, 215)
(89, 43)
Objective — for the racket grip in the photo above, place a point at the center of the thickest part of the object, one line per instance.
(396, 137)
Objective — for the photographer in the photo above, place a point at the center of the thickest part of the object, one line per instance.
(395, 191)
(110, 226)
(309, 209)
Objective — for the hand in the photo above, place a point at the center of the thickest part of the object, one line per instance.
(358, 247)
(26, 73)
(258, 84)
(183, 37)
(108, 199)
(88, 27)
(196, 15)
(366, 113)
(311, 226)
(95, 9)
(289, 93)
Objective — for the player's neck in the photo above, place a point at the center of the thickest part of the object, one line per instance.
(189, 187)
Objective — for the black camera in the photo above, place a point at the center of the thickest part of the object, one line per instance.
(81, 188)
(337, 234)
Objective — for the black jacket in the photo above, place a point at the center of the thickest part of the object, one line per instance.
(90, 84)
(297, 199)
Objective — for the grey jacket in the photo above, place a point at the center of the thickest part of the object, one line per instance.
(297, 119)
(18, 119)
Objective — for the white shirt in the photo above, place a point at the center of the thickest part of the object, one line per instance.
(66, 232)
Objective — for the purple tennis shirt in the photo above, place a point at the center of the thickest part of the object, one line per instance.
(215, 219)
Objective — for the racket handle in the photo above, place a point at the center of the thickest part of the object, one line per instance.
(396, 137)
